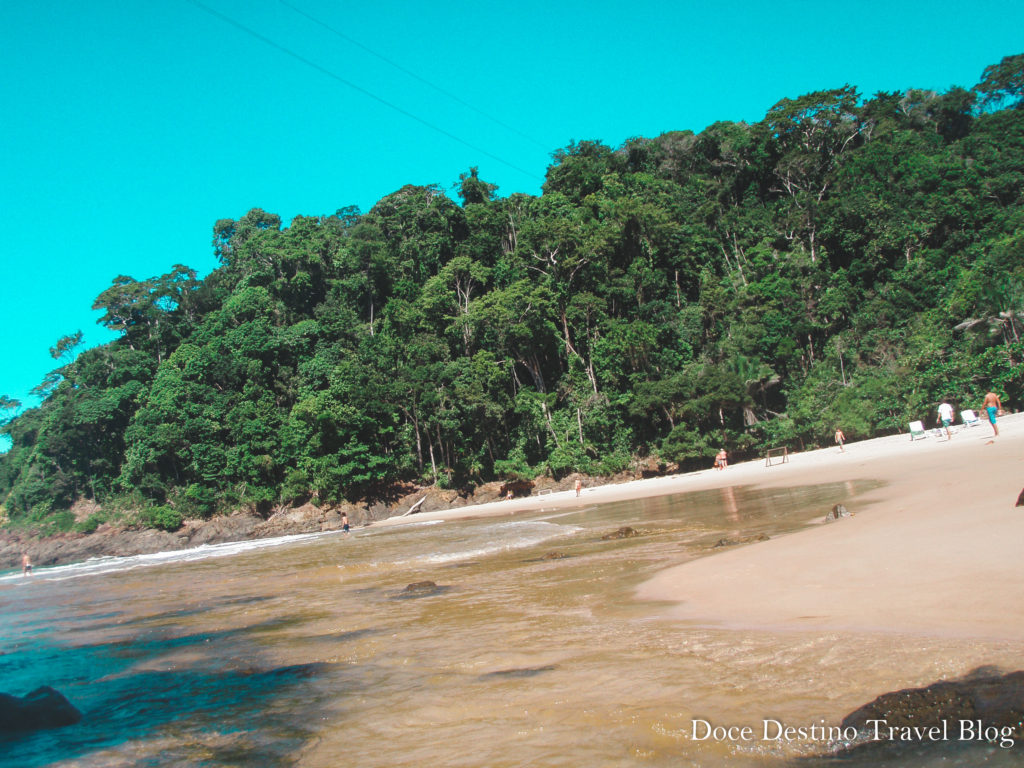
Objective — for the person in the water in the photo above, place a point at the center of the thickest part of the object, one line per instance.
(26, 564)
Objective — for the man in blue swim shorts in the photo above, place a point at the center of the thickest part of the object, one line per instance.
(993, 405)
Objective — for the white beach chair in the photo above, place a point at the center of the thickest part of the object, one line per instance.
(917, 430)
(969, 418)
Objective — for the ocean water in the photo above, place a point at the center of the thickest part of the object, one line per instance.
(530, 650)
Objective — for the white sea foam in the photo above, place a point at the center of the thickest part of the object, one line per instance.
(95, 566)
(457, 544)
(492, 539)
(398, 529)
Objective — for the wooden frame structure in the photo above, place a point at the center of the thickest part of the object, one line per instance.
(771, 456)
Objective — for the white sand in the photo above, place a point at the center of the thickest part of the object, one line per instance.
(938, 553)
(937, 550)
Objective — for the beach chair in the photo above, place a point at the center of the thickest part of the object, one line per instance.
(969, 418)
(917, 430)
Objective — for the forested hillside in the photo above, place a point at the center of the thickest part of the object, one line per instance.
(845, 262)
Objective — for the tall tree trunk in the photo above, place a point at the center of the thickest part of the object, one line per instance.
(551, 427)
(433, 464)
(587, 366)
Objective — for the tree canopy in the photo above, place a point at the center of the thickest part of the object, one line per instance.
(845, 262)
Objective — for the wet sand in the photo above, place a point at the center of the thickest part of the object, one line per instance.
(935, 551)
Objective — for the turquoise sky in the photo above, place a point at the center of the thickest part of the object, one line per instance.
(128, 128)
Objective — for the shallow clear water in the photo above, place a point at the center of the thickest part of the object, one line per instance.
(531, 651)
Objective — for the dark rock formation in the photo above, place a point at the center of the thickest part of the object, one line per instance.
(516, 488)
(287, 522)
(42, 708)
(1020, 499)
(983, 708)
(110, 541)
(219, 529)
(996, 700)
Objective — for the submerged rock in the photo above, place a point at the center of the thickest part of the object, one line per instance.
(421, 589)
(739, 540)
(625, 532)
(421, 586)
(519, 672)
(547, 556)
(42, 708)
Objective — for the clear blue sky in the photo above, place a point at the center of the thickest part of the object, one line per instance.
(128, 128)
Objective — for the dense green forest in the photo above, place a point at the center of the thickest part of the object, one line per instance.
(844, 262)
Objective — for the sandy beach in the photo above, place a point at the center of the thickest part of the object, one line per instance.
(935, 550)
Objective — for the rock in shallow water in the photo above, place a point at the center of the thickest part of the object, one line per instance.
(625, 532)
(42, 708)
(421, 589)
(985, 708)
(998, 700)
(740, 540)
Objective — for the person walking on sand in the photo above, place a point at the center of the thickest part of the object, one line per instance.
(946, 418)
(992, 406)
(579, 486)
(26, 564)
(840, 439)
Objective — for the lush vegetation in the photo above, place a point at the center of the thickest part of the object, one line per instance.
(842, 263)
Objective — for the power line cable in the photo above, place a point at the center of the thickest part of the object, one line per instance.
(413, 75)
(353, 86)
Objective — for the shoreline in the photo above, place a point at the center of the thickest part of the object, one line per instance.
(882, 551)
(934, 551)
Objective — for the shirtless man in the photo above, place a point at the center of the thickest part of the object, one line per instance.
(992, 406)
(26, 565)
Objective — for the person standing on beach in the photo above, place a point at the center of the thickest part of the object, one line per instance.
(946, 417)
(993, 406)
(26, 564)
(722, 459)
(840, 439)
(579, 486)
(344, 522)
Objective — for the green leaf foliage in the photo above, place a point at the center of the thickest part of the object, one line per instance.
(843, 263)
